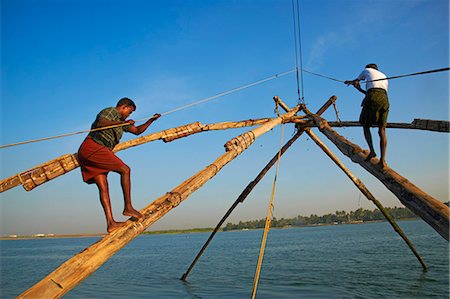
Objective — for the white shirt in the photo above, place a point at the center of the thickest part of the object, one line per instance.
(370, 74)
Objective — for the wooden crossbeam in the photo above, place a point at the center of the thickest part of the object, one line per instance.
(52, 169)
(417, 124)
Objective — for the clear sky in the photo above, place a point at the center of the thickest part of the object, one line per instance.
(64, 61)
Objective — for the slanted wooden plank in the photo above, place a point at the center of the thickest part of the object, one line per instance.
(431, 210)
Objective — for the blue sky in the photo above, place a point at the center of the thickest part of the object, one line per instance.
(64, 61)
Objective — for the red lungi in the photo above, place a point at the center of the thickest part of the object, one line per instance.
(96, 159)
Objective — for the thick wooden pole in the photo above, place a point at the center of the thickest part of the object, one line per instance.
(253, 183)
(47, 171)
(76, 269)
(417, 124)
(431, 210)
(357, 182)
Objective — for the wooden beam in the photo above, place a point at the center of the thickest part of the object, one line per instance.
(47, 171)
(279, 102)
(431, 210)
(79, 267)
(417, 124)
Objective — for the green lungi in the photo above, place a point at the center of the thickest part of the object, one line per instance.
(375, 108)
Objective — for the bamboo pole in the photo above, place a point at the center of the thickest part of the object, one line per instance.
(357, 182)
(417, 124)
(431, 210)
(47, 171)
(252, 185)
(76, 269)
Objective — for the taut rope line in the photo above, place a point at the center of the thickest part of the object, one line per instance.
(268, 220)
(298, 52)
(165, 113)
(388, 78)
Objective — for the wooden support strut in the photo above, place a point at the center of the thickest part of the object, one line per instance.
(252, 185)
(431, 210)
(79, 267)
(357, 182)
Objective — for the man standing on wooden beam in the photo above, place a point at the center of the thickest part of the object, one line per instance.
(97, 158)
(375, 107)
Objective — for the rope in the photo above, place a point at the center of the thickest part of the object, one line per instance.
(323, 76)
(337, 113)
(413, 74)
(388, 78)
(298, 52)
(268, 220)
(165, 113)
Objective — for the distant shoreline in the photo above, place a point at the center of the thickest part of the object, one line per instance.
(52, 236)
(179, 231)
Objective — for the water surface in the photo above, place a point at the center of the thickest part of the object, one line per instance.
(344, 261)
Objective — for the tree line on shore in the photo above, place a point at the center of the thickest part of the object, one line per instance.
(339, 217)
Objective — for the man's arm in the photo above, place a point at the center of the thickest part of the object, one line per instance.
(355, 84)
(358, 87)
(141, 128)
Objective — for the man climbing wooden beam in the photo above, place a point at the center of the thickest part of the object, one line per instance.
(76, 269)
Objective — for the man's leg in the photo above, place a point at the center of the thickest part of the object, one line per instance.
(383, 143)
(368, 137)
(125, 180)
(102, 184)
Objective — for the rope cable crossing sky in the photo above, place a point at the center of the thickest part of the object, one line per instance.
(298, 51)
(215, 97)
(165, 113)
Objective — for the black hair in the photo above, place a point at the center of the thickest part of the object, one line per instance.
(126, 102)
(372, 66)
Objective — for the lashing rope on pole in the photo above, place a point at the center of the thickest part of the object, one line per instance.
(165, 113)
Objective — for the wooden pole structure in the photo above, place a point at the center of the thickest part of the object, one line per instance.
(49, 170)
(368, 194)
(76, 269)
(431, 210)
(253, 183)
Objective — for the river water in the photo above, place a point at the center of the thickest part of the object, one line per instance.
(343, 261)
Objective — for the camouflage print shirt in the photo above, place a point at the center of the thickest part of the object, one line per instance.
(108, 137)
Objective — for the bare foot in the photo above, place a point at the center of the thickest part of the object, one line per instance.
(114, 225)
(382, 164)
(132, 212)
(370, 156)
